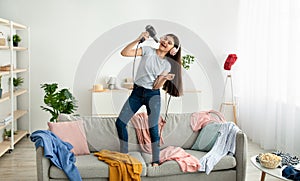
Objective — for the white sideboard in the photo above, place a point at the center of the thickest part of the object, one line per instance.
(110, 102)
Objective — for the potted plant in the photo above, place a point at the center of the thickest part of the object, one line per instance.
(187, 60)
(58, 101)
(7, 134)
(17, 82)
(16, 40)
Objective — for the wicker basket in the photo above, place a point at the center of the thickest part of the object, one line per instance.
(5, 67)
(269, 160)
(2, 41)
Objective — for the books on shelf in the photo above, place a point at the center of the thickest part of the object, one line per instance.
(6, 120)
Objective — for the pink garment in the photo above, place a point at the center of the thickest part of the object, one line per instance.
(201, 119)
(140, 123)
(186, 161)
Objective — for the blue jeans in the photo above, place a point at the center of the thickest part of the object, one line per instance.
(151, 99)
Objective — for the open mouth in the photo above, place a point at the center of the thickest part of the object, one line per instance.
(163, 45)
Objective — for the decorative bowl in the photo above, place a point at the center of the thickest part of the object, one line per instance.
(269, 160)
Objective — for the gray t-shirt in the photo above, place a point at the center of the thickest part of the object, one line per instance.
(150, 67)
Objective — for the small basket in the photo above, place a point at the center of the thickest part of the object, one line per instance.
(2, 39)
(269, 160)
(5, 67)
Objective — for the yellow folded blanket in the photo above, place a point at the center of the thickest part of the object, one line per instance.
(122, 167)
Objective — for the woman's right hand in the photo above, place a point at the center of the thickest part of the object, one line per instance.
(129, 50)
(144, 35)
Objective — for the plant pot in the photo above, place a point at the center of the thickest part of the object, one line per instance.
(15, 44)
(0, 93)
(5, 137)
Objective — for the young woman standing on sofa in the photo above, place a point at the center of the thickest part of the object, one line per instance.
(158, 68)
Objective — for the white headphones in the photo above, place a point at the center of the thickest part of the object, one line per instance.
(174, 50)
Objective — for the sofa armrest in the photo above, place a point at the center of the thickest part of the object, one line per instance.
(241, 151)
(42, 165)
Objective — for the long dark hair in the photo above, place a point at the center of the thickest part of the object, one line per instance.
(174, 87)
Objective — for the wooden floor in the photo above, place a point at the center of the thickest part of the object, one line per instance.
(19, 165)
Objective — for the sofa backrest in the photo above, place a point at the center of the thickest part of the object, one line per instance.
(101, 133)
(178, 132)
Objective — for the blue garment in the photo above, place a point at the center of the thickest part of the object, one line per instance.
(151, 99)
(58, 152)
(291, 173)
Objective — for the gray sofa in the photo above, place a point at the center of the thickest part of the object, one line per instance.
(101, 134)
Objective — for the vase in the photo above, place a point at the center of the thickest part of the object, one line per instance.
(111, 86)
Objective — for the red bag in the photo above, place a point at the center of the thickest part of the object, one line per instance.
(230, 61)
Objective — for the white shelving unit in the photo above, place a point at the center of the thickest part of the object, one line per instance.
(14, 104)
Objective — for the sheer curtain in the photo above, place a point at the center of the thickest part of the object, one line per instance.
(267, 73)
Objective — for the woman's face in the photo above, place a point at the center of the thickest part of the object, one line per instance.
(166, 43)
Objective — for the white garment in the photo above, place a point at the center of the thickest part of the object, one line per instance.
(151, 65)
(225, 144)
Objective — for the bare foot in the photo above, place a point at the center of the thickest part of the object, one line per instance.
(154, 164)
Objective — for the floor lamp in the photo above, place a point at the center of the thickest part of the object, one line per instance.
(231, 59)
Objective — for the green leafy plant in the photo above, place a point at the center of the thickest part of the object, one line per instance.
(16, 38)
(7, 133)
(17, 81)
(58, 101)
(187, 60)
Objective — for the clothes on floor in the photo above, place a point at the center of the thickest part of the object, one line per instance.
(202, 118)
(186, 161)
(58, 151)
(122, 167)
(140, 123)
(224, 145)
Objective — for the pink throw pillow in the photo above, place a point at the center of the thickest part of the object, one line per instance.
(73, 133)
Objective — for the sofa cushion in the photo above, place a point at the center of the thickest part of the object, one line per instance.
(172, 167)
(90, 167)
(72, 132)
(207, 137)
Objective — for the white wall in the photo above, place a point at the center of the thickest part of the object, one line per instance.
(62, 31)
